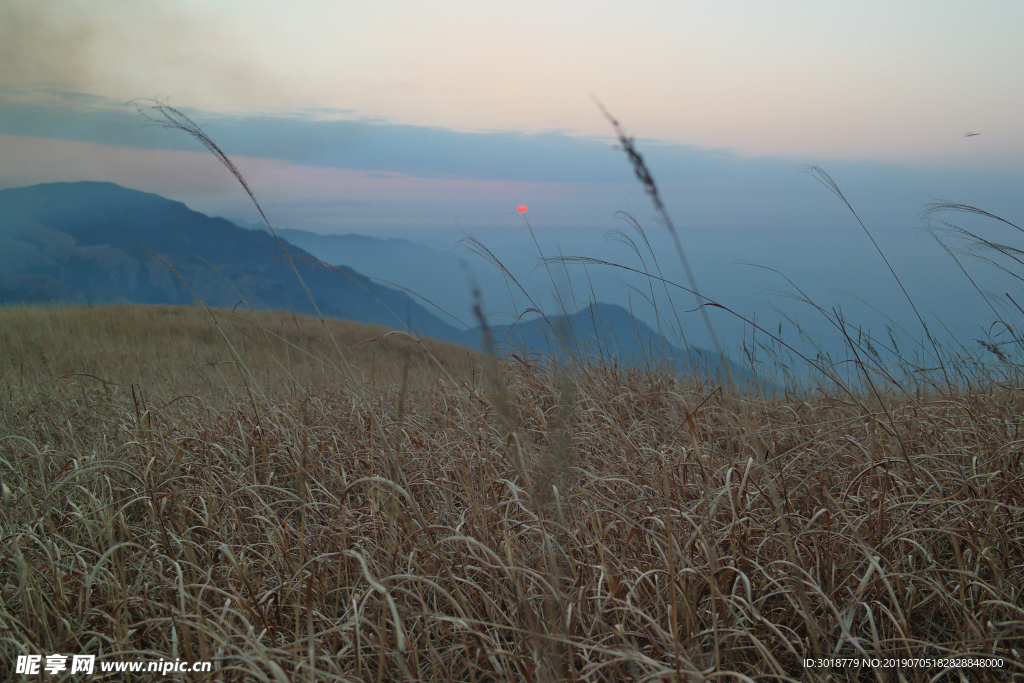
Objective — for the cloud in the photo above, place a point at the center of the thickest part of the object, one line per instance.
(324, 166)
(311, 140)
(123, 48)
(46, 41)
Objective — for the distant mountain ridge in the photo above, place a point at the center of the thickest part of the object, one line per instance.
(610, 332)
(95, 243)
(100, 243)
(432, 274)
(597, 330)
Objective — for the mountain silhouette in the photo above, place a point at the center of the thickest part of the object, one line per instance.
(98, 243)
(607, 332)
(435, 277)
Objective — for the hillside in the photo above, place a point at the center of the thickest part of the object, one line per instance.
(282, 515)
(183, 350)
(99, 243)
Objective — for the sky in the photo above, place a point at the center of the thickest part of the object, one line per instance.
(430, 120)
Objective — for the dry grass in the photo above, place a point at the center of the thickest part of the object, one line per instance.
(435, 516)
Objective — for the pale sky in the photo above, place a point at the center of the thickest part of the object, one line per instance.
(888, 81)
(416, 119)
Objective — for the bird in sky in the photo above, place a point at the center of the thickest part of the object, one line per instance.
(970, 134)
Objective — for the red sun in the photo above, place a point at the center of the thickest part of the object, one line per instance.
(522, 208)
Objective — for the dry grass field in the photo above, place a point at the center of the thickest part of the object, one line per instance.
(245, 491)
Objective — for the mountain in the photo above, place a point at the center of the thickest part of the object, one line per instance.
(610, 332)
(98, 243)
(436, 276)
(600, 330)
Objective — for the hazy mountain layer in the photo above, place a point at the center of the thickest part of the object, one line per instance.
(610, 332)
(438, 278)
(97, 243)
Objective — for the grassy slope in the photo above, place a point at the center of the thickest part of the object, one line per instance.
(466, 519)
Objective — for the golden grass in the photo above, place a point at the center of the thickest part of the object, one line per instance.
(467, 520)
